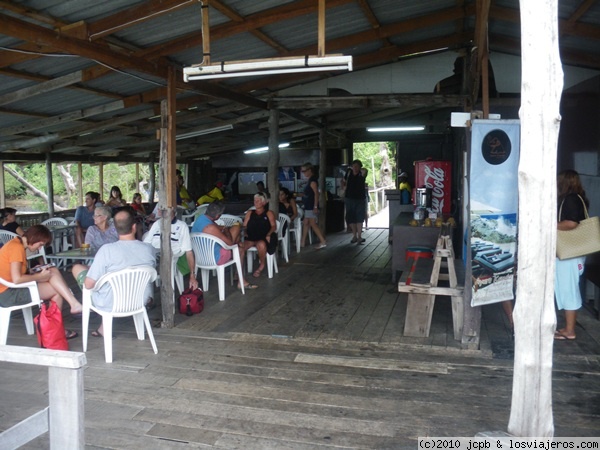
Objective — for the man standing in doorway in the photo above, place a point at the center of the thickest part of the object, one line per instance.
(354, 184)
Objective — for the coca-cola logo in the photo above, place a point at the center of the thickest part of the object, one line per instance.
(434, 179)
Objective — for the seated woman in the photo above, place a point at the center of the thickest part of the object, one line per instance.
(140, 214)
(8, 221)
(50, 282)
(116, 198)
(260, 225)
(137, 206)
(287, 205)
(103, 231)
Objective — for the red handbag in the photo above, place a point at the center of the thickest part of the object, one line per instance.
(191, 302)
(50, 328)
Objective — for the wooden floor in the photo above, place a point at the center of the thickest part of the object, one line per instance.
(314, 358)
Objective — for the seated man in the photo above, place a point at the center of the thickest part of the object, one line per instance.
(180, 243)
(84, 216)
(126, 252)
(230, 235)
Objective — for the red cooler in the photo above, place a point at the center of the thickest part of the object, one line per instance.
(436, 175)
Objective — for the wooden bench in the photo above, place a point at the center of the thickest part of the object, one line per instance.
(421, 283)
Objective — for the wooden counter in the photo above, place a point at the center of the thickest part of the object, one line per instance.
(406, 236)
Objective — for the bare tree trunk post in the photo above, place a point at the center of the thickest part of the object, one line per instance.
(322, 187)
(166, 198)
(273, 164)
(49, 185)
(535, 320)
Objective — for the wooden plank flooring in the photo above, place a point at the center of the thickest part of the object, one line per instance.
(313, 359)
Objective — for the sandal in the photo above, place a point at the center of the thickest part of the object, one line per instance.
(559, 336)
(96, 333)
(70, 334)
(257, 272)
(248, 286)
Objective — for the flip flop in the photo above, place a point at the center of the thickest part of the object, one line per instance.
(249, 286)
(70, 334)
(97, 334)
(562, 337)
(256, 273)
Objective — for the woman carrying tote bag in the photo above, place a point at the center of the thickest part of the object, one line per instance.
(571, 199)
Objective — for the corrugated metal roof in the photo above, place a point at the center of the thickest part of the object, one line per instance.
(376, 33)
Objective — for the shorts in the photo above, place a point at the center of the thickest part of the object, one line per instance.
(355, 210)
(81, 278)
(224, 256)
(14, 297)
(566, 283)
(310, 214)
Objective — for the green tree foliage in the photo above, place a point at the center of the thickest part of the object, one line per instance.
(369, 151)
(123, 176)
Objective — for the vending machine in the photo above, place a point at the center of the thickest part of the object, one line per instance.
(437, 177)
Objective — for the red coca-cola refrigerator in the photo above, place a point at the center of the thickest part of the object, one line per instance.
(436, 175)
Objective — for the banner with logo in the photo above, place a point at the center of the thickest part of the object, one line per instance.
(493, 209)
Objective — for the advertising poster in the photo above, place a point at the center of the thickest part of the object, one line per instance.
(493, 209)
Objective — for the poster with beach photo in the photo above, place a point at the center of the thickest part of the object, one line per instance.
(493, 209)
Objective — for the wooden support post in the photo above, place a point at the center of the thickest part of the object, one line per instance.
(321, 29)
(167, 198)
(534, 314)
(2, 186)
(79, 184)
(101, 180)
(67, 413)
(167, 294)
(49, 185)
(273, 165)
(64, 418)
(322, 169)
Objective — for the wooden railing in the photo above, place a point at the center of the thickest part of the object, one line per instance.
(27, 220)
(64, 417)
(377, 198)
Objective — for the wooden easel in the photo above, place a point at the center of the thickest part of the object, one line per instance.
(421, 284)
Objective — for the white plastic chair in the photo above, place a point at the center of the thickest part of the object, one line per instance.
(271, 259)
(128, 286)
(26, 308)
(204, 252)
(296, 230)
(6, 236)
(61, 239)
(284, 240)
(191, 218)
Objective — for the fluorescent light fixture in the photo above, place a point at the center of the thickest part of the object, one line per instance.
(268, 67)
(264, 149)
(392, 129)
(200, 132)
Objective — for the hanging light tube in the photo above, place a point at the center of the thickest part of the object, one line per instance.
(264, 149)
(203, 131)
(268, 67)
(394, 129)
